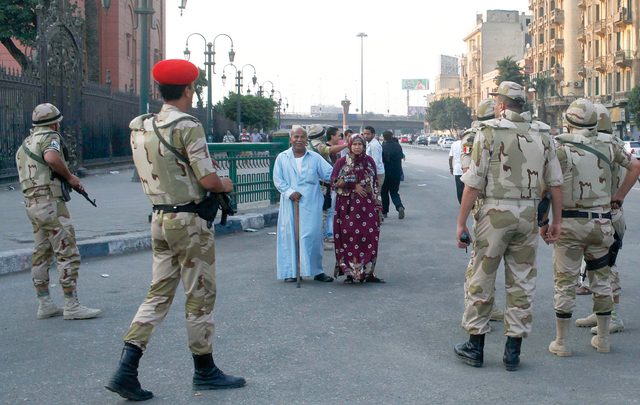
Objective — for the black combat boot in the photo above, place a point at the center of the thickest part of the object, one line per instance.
(472, 351)
(125, 380)
(511, 358)
(209, 377)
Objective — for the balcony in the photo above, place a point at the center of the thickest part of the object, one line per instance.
(623, 59)
(582, 70)
(582, 4)
(557, 45)
(556, 16)
(622, 18)
(532, 26)
(556, 101)
(557, 73)
(621, 96)
(600, 64)
(600, 27)
(582, 36)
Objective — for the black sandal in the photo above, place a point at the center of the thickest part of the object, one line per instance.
(374, 279)
(323, 278)
(348, 280)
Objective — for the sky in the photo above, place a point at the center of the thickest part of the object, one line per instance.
(310, 50)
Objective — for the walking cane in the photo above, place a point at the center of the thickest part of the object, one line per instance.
(296, 214)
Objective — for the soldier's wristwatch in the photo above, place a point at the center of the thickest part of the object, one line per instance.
(543, 223)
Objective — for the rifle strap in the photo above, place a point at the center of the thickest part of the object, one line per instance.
(588, 149)
(173, 150)
(32, 155)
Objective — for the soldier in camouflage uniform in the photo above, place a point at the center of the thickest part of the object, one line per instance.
(605, 126)
(511, 157)
(176, 170)
(485, 112)
(39, 157)
(588, 160)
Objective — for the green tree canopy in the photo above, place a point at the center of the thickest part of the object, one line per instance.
(449, 114)
(18, 23)
(542, 86)
(255, 111)
(509, 71)
(199, 85)
(634, 104)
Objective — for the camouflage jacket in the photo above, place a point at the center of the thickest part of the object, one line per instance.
(166, 179)
(588, 180)
(35, 177)
(320, 146)
(511, 157)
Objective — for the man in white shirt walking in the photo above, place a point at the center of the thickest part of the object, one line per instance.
(455, 167)
(374, 149)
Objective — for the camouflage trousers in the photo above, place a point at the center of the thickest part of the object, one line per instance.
(183, 249)
(53, 234)
(588, 239)
(503, 229)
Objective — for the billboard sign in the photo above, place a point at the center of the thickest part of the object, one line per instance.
(414, 110)
(415, 84)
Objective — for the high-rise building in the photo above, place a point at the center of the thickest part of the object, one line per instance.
(590, 49)
(494, 36)
(448, 79)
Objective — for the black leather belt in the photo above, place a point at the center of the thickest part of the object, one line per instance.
(191, 207)
(588, 215)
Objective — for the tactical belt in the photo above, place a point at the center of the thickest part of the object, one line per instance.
(191, 207)
(588, 215)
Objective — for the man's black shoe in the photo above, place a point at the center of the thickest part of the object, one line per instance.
(209, 377)
(323, 277)
(472, 351)
(511, 358)
(125, 380)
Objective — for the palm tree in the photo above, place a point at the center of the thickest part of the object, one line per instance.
(541, 85)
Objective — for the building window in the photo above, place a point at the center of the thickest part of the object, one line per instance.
(618, 41)
(618, 81)
(553, 33)
(128, 46)
(541, 13)
(553, 61)
(552, 5)
(541, 65)
(609, 88)
(597, 48)
(597, 85)
(541, 38)
(628, 80)
(597, 12)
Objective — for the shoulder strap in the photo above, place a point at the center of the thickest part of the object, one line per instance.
(32, 155)
(173, 150)
(588, 149)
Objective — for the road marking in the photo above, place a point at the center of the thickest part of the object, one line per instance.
(444, 177)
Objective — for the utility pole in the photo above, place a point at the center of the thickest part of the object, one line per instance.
(362, 35)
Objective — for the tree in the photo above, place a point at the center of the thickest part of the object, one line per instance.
(541, 85)
(634, 105)
(509, 71)
(18, 22)
(449, 114)
(256, 111)
(199, 85)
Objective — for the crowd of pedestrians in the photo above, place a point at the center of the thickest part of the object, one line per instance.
(244, 136)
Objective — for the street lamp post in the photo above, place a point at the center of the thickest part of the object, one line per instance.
(239, 89)
(261, 92)
(210, 57)
(362, 35)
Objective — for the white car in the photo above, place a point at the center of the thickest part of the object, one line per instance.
(633, 147)
(447, 142)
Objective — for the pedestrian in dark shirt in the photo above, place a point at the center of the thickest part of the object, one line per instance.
(392, 159)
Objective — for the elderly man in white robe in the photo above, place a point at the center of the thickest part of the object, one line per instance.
(297, 174)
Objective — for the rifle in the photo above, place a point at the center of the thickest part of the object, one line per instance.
(66, 189)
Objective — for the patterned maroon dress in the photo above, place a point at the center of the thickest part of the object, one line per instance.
(356, 220)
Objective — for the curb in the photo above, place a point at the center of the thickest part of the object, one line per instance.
(14, 261)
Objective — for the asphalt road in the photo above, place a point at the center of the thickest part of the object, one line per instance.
(324, 343)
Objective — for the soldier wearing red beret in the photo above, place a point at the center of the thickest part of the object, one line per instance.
(176, 171)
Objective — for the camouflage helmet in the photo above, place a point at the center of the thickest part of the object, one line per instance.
(46, 114)
(511, 90)
(604, 118)
(486, 109)
(581, 114)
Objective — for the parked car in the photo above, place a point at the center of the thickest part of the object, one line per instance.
(633, 147)
(433, 140)
(423, 140)
(405, 139)
(447, 142)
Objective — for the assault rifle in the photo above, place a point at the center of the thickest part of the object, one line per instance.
(66, 189)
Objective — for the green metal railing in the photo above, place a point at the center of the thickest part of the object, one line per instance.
(250, 167)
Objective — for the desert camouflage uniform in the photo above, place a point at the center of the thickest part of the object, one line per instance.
(510, 158)
(182, 243)
(319, 145)
(587, 188)
(53, 231)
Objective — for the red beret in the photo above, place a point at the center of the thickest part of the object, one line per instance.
(175, 71)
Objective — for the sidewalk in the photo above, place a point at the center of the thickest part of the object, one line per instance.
(119, 225)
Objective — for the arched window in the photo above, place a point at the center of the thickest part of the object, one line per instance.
(541, 66)
(552, 5)
(553, 61)
(541, 14)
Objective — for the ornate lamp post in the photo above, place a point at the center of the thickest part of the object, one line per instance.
(261, 92)
(210, 63)
(254, 80)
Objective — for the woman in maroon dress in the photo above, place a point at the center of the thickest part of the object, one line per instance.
(356, 222)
